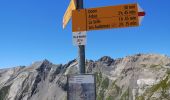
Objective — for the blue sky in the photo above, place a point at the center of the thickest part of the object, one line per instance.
(31, 30)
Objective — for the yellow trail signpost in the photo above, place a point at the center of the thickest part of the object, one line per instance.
(127, 15)
(106, 17)
(68, 13)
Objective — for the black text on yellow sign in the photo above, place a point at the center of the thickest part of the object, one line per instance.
(105, 18)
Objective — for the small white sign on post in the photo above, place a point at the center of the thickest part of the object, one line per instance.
(79, 38)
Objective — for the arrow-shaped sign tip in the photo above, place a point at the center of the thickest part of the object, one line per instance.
(141, 14)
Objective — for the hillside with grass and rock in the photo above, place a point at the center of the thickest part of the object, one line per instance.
(137, 77)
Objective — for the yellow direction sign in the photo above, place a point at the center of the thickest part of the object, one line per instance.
(106, 17)
(68, 13)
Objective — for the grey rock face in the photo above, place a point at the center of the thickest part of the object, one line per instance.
(138, 77)
(35, 82)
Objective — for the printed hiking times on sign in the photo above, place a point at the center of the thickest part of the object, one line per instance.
(120, 16)
(81, 87)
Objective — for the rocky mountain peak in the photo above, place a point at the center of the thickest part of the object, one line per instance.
(107, 60)
(45, 66)
(137, 77)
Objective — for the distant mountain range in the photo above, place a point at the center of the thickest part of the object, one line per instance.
(138, 77)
